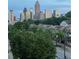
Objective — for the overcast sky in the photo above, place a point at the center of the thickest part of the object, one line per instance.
(19, 5)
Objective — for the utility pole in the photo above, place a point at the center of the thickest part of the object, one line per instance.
(64, 50)
(65, 35)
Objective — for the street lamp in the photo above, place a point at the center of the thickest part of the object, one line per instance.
(64, 50)
(65, 36)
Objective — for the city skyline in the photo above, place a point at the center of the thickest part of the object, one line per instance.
(19, 5)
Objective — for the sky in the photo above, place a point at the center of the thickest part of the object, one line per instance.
(18, 5)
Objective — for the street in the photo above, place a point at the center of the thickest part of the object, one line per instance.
(60, 52)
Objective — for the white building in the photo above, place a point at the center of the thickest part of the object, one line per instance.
(56, 13)
(42, 16)
(26, 16)
(11, 17)
(22, 17)
(48, 13)
(31, 13)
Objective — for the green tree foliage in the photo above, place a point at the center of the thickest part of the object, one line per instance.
(60, 35)
(31, 44)
(21, 25)
(55, 21)
(51, 21)
(68, 14)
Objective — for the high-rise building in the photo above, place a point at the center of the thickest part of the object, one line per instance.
(24, 11)
(48, 13)
(56, 13)
(31, 13)
(11, 17)
(28, 15)
(14, 18)
(22, 18)
(42, 16)
(37, 10)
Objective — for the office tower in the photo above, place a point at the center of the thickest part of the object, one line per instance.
(56, 13)
(37, 10)
(28, 15)
(48, 13)
(11, 17)
(31, 13)
(14, 18)
(24, 11)
(22, 17)
(42, 16)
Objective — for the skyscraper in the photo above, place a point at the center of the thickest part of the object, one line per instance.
(22, 17)
(56, 13)
(25, 10)
(37, 10)
(31, 13)
(28, 15)
(48, 13)
(42, 15)
(11, 17)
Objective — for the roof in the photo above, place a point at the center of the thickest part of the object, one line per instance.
(68, 21)
(65, 23)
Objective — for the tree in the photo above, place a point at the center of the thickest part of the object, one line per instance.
(31, 45)
(57, 35)
(60, 36)
(51, 21)
(68, 14)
